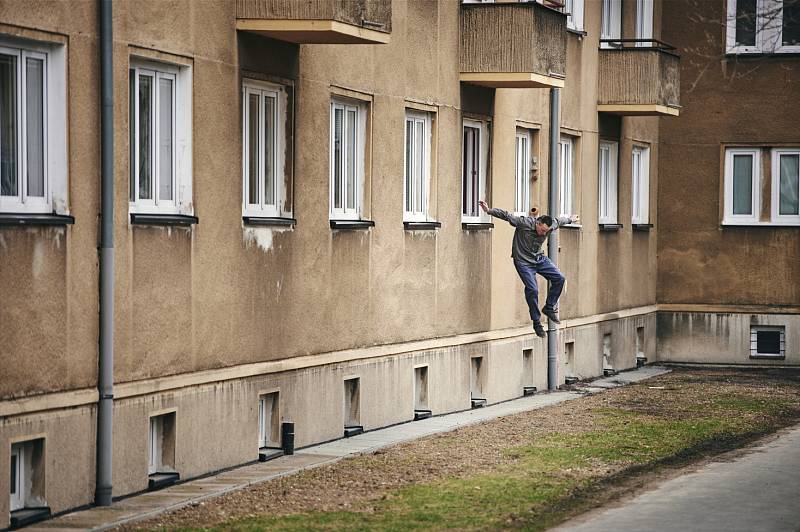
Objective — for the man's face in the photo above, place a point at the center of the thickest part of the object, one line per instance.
(541, 229)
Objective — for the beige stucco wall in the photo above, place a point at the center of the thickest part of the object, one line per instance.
(726, 100)
(220, 295)
(722, 338)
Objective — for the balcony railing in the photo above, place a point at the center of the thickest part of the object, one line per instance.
(317, 21)
(513, 45)
(638, 77)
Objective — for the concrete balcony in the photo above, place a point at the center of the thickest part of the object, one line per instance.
(317, 21)
(638, 80)
(513, 45)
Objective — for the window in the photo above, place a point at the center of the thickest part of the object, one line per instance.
(417, 166)
(264, 147)
(160, 138)
(611, 21)
(348, 134)
(574, 11)
(161, 452)
(522, 175)
(644, 21)
(27, 478)
(767, 342)
(33, 157)
(17, 477)
(473, 169)
(786, 186)
(565, 176)
(742, 179)
(640, 186)
(268, 421)
(763, 26)
(608, 183)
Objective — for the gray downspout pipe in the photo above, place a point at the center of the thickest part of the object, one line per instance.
(552, 239)
(105, 377)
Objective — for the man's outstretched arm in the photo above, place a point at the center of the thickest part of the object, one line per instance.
(514, 220)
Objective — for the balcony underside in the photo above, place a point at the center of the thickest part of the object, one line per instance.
(313, 31)
(512, 80)
(640, 109)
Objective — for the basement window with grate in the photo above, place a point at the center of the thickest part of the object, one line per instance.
(768, 342)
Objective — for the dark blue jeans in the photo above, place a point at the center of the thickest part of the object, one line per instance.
(527, 272)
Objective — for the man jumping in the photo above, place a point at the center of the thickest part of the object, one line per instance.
(526, 250)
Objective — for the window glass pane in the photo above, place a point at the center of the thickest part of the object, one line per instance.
(517, 176)
(351, 159)
(790, 178)
(253, 151)
(338, 120)
(409, 164)
(790, 35)
(471, 176)
(13, 474)
(145, 137)
(419, 179)
(8, 125)
(132, 132)
(165, 141)
(604, 182)
(269, 150)
(746, 22)
(742, 184)
(636, 169)
(34, 122)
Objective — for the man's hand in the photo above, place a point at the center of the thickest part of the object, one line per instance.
(483, 206)
(576, 219)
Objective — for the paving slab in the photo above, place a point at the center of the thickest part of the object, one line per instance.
(149, 505)
(754, 492)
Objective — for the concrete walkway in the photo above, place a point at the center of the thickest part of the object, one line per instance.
(191, 492)
(758, 491)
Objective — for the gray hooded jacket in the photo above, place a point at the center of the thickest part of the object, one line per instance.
(527, 244)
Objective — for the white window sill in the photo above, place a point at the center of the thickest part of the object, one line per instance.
(759, 224)
(570, 226)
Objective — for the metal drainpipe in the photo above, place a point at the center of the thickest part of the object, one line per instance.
(105, 384)
(552, 239)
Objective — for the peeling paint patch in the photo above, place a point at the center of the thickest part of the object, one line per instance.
(37, 260)
(261, 236)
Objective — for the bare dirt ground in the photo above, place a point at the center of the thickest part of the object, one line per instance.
(363, 480)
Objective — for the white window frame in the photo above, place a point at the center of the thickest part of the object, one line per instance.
(608, 179)
(360, 108)
(610, 21)
(522, 173)
(17, 499)
(264, 415)
(264, 90)
(181, 202)
(640, 185)
(574, 11)
(420, 182)
(769, 30)
(155, 450)
(54, 134)
(466, 195)
(748, 219)
(644, 21)
(566, 175)
(777, 218)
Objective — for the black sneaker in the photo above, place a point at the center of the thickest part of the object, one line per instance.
(551, 314)
(538, 329)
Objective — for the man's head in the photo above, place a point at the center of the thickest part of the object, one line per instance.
(543, 224)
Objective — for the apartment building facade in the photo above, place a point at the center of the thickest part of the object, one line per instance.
(728, 247)
(296, 228)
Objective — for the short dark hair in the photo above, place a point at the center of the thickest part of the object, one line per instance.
(546, 220)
